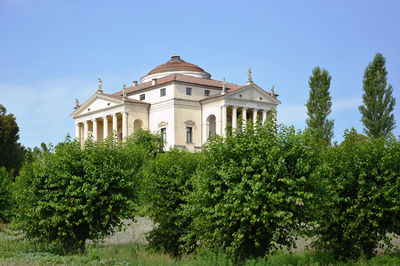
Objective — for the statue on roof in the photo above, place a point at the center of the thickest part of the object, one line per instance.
(124, 92)
(273, 91)
(100, 90)
(223, 86)
(250, 80)
(76, 103)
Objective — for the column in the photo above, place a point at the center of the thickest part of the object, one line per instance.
(254, 116)
(234, 117)
(264, 116)
(94, 129)
(223, 129)
(85, 130)
(244, 116)
(105, 127)
(77, 131)
(124, 125)
(114, 128)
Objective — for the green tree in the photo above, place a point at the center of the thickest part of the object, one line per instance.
(166, 184)
(252, 192)
(68, 195)
(377, 110)
(152, 143)
(6, 198)
(361, 204)
(319, 106)
(11, 152)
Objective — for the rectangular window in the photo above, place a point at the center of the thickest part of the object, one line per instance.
(164, 134)
(189, 135)
(142, 97)
(162, 92)
(206, 93)
(188, 91)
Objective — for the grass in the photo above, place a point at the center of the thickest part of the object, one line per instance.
(14, 250)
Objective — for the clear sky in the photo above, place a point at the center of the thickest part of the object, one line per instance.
(53, 51)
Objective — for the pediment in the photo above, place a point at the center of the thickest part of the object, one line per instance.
(95, 103)
(162, 124)
(189, 123)
(253, 93)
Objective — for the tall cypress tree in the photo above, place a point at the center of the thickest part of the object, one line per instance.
(377, 111)
(319, 106)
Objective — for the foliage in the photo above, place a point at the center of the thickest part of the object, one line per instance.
(377, 110)
(166, 182)
(152, 143)
(6, 198)
(11, 152)
(362, 196)
(355, 136)
(68, 194)
(252, 193)
(24, 252)
(319, 106)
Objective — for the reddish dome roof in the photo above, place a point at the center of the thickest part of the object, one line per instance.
(176, 64)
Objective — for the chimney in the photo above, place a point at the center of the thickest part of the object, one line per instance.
(134, 83)
(153, 82)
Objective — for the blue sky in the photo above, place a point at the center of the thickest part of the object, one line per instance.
(53, 51)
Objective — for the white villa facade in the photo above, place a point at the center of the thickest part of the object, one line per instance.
(177, 99)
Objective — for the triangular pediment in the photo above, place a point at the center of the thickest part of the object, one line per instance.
(252, 92)
(95, 103)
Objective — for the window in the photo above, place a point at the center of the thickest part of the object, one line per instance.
(164, 134)
(189, 135)
(142, 97)
(188, 91)
(206, 93)
(162, 92)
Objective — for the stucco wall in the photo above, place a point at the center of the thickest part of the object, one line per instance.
(139, 112)
(163, 113)
(211, 108)
(197, 92)
(153, 95)
(187, 111)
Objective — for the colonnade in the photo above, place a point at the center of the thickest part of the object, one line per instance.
(255, 111)
(93, 125)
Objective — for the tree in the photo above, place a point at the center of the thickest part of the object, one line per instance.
(166, 182)
(251, 193)
(67, 195)
(319, 106)
(376, 112)
(11, 152)
(6, 199)
(361, 205)
(152, 143)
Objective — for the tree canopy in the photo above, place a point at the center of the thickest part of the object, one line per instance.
(11, 152)
(377, 110)
(319, 106)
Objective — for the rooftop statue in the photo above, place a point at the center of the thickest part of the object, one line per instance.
(250, 80)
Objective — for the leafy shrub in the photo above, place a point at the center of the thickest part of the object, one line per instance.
(6, 199)
(252, 191)
(166, 182)
(152, 143)
(69, 194)
(362, 196)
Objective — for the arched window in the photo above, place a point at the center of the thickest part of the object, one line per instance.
(211, 125)
(137, 125)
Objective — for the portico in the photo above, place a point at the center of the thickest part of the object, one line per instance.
(100, 128)
(249, 103)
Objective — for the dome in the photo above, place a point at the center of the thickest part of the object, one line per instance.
(176, 66)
